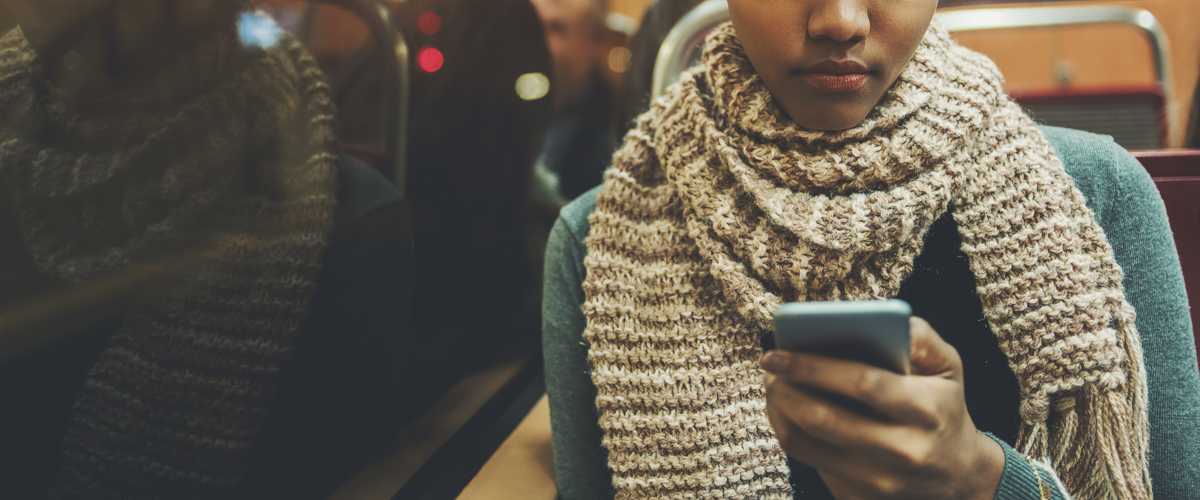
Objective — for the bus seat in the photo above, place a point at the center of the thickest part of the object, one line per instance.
(1176, 173)
(1135, 117)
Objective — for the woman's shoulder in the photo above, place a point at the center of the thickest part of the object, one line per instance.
(1102, 170)
(575, 214)
(1080, 145)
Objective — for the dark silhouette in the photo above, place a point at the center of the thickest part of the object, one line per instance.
(478, 237)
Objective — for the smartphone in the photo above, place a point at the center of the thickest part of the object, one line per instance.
(873, 332)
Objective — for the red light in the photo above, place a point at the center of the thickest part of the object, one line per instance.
(429, 23)
(430, 59)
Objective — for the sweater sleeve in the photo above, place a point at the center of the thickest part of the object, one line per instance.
(581, 463)
(1129, 209)
(1024, 479)
(1135, 222)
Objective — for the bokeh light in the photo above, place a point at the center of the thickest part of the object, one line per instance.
(429, 23)
(257, 30)
(430, 59)
(533, 86)
(618, 59)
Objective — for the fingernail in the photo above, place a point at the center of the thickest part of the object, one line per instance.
(774, 362)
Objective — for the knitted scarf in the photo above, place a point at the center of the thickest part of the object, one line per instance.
(227, 156)
(718, 208)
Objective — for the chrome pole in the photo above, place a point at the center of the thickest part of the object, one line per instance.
(378, 18)
(677, 47)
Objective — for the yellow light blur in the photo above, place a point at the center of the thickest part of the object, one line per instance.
(618, 59)
(533, 86)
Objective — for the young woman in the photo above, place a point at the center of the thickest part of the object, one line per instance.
(849, 150)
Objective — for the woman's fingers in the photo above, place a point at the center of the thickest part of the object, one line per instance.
(884, 392)
(800, 443)
(831, 437)
(819, 415)
(873, 433)
(932, 356)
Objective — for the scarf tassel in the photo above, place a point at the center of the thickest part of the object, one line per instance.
(1099, 442)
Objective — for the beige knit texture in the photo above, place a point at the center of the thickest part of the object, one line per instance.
(227, 156)
(718, 209)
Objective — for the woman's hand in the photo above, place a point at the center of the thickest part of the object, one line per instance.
(876, 434)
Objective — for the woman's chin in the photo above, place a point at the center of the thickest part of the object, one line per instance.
(831, 124)
(829, 119)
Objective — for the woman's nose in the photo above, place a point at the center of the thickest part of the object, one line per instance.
(839, 20)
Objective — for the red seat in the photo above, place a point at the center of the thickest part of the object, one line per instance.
(1177, 175)
(1135, 117)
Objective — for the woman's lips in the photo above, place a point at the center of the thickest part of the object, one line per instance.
(837, 83)
(837, 76)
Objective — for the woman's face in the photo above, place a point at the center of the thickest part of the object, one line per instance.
(828, 62)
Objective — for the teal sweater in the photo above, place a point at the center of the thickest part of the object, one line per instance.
(1127, 206)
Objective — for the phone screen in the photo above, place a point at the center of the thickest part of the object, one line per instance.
(873, 332)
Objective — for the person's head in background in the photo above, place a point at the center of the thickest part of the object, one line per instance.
(93, 46)
(575, 35)
(477, 124)
(829, 62)
(478, 116)
(633, 97)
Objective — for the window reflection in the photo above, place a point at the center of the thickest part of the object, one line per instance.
(257, 30)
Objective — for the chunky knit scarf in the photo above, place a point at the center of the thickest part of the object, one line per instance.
(223, 162)
(718, 209)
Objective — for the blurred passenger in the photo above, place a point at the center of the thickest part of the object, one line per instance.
(477, 120)
(633, 97)
(579, 142)
(852, 151)
(194, 143)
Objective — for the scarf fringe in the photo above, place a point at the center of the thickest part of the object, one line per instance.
(1105, 461)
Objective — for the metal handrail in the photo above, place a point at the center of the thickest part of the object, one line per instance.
(683, 38)
(1033, 17)
(378, 18)
(677, 47)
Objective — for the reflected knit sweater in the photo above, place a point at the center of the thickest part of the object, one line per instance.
(718, 208)
(220, 170)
